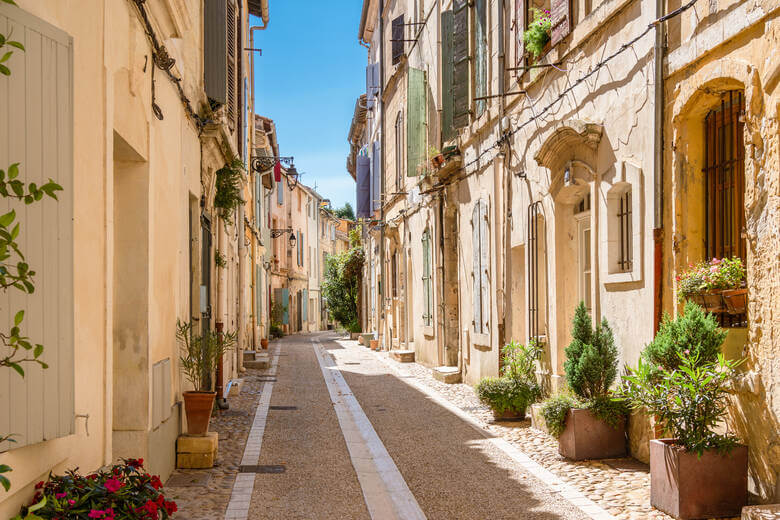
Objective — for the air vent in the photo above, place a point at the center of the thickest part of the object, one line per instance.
(269, 468)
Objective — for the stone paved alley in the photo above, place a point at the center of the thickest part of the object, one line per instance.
(335, 413)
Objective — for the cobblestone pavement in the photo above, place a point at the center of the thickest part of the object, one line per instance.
(620, 486)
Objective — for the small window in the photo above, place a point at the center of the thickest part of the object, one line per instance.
(583, 205)
(394, 273)
(625, 229)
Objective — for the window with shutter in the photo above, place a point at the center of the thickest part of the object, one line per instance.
(560, 12)
(399, 147)
(480, 47)
(426, 279)
(415, 121)
(447, 80)
(481, 263)
(519, 27)
(215, 41)
(36, 105)
(286, 306)
(376, 202)
(232, 63)
(397, 37)
(460, 63)
(476, 277)
(279, 193)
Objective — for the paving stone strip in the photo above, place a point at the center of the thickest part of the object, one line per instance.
(384, 489)
(241, 497)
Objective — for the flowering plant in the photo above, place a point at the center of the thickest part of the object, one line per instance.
(538, 33)
(726, 273)
(124, 491)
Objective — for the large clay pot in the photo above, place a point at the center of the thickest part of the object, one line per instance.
(264, 343)
(689, 487)
(508, 415)
(587, 437)
(198, 407)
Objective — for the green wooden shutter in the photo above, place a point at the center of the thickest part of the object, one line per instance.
(415, 121)
(447, 84)
(460, 63)
(480, 63)
(476, 283)
(286, 304)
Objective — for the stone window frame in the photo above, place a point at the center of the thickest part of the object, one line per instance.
(627, 177)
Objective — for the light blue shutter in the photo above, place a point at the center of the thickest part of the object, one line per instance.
(476, 283)
(305, 304)
(480, 64)
(447, 79)
(376, 197)
(280, 192)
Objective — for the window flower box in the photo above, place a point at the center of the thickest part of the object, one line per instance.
(717, 286)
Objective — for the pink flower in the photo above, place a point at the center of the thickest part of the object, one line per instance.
(60, 495)
(97, 513)
(687, 352)
(71, 502)
(113, 485)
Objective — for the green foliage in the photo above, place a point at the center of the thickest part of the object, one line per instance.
(538, 33)
(6, 41)
(693, 332)
(228, 195)
(519, 361)
(122, 491)
(554, 411)
(726, 273)
(345, 212)
(275, 331)
(591, 357)
(689, 400)
(219, 259)
(341, 285)
(199, 354)
(504, 393)
(609, 409)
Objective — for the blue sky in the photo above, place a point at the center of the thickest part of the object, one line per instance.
(307, 80)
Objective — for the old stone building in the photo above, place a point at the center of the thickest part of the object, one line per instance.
(500, 188)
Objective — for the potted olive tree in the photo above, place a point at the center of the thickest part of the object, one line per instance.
(683, 380)
(199, 356)
(510, 395)
(590, 424)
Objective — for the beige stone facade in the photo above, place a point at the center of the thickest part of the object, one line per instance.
(565, 182)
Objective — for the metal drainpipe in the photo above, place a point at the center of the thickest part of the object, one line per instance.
(507, 272)
(658, 157)
(382, 146)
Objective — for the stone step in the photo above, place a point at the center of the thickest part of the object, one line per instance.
(764, 512)
(449, 375)
(260, 360)
(249, 355)
(403, 356)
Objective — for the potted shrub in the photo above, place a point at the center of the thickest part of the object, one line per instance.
(590, 424)
(717, 285)
(122, 491)
(510, 395)
(537, 36)
(199, 356)
(696, 473)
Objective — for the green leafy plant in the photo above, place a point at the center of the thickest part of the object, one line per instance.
(506, 394)
(219, 259)
(275, 331)
(228, 195)
(538, 33)
(726, 273)
(591, 357)
(554, 410)
(341, 282)
(689, 400)
(345, 212)
(519, 361)
(693, 331)
(199, 354)
(15, 273)
(123, 491)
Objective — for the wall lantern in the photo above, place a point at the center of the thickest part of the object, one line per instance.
(293, 240)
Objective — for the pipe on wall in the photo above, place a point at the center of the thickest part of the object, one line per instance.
(658, 157)
(382, 192)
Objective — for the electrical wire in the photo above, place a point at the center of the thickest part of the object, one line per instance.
(509, 133)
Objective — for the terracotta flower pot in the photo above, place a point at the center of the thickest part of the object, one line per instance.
(689, 487)
(587, 437)
(198, 406)
(508, 415)
(437, 161)
(735, 300)
(264, 343)
(374, 345)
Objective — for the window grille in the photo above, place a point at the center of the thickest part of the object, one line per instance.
(625, 227)
(394, 273)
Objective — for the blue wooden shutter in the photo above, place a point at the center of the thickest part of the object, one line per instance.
(286, 303)
(415, 121)
(476, 284)
(376, 197)
(363, 187)
(215, 43)
(481, 61)
(460, 63)
(447, 36)
(305, 304)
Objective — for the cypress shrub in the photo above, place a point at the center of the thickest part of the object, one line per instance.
(591, 357)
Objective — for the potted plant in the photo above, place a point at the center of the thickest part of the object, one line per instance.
(537, 36)
(510, 395)
(121, 491)
(199, 356)
(717, 285)
(590, 424)
(437, 158)
(264, 343)
(696, 473)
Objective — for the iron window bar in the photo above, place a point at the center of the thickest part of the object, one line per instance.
(480, 98)
(624, 217)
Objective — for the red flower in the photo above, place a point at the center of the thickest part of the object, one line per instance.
(135, 463)
(170, 507)
(156, 482)
(113, 485)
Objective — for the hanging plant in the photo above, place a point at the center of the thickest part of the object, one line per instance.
(538, 33)
(219, 259)
(228, 195)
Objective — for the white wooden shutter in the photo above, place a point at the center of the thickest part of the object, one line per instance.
(484, 263)
(36, 130)
(476, 286)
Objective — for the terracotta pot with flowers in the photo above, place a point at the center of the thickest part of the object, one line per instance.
(717, 286)
(199, 356)
(124, 490)
(683, 380)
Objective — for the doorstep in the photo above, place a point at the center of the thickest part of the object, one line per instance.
(403, 356)
(261, 360)
(195, 451)
(449, 375)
